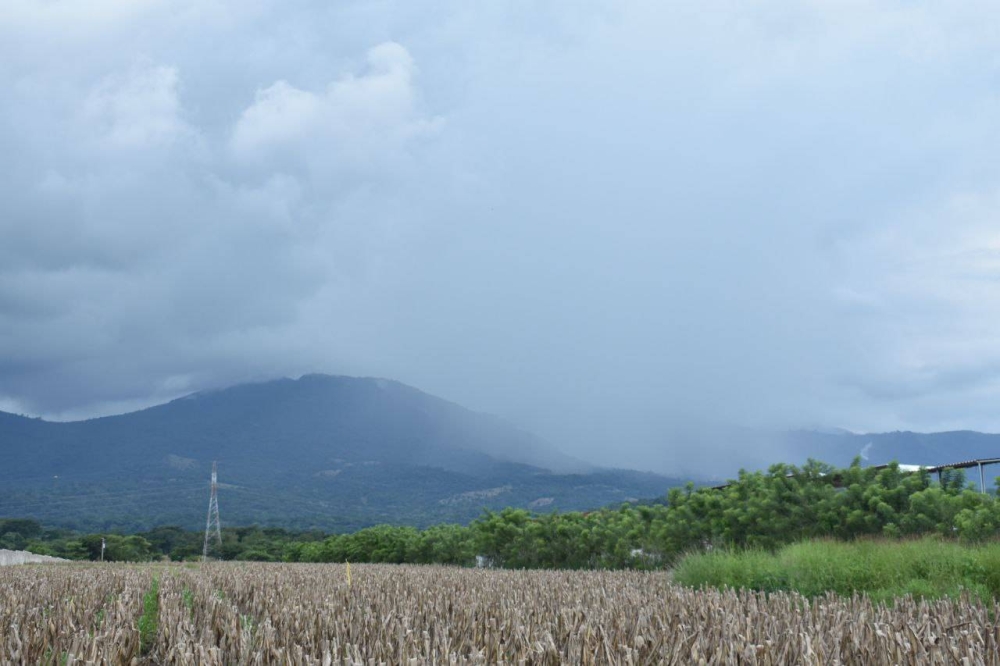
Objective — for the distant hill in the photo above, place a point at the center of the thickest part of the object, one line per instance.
(716, 453)
(840, 447)
(321, 451)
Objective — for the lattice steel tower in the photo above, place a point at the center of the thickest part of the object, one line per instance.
(212, 526)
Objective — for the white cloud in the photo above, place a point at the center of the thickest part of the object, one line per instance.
(138, 110)
(354, 120)
(279, 114)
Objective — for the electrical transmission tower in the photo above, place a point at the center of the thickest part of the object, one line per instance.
(212, 526)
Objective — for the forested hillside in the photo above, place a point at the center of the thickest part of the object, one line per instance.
(763, 510)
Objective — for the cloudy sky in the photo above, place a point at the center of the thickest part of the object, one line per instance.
(610, 221)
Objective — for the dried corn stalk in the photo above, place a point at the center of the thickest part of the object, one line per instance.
(312, 614)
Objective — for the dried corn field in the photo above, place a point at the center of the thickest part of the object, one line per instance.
(312, 614)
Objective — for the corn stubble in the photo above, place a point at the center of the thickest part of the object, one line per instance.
(310, 614)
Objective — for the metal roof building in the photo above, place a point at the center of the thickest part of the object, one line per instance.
(980, 463)
(965, 464)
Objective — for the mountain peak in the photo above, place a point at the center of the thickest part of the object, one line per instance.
(372, 447)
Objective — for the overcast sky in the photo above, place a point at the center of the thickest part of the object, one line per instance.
(610, 221)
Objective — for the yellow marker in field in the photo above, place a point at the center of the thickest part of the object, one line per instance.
(348, 573)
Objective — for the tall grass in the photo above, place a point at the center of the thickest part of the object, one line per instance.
(927, 568)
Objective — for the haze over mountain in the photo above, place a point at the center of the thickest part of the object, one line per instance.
(324, 451)
(753, 448)
(914, 448)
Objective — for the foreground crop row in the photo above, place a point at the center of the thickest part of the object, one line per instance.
(318, 614)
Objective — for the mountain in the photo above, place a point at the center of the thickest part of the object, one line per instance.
(915, 448)
(320, 452)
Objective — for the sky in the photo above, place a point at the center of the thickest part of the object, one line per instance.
(621, 224)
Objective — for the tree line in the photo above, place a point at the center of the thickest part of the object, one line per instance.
(764, 509)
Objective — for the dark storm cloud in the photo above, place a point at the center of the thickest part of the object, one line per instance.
(628, 226)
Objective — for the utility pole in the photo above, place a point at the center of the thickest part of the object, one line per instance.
(103, 546)
(213, 514)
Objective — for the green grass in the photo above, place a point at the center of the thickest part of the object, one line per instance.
(49, 658)
(926, 568)
(150, 617)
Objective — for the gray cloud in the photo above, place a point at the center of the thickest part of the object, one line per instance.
(625, 225)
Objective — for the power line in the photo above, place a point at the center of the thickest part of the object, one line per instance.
(67, 476)
(314, 507)
(37, 508)
(63, 500)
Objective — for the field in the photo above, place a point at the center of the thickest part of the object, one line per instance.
(383, 614)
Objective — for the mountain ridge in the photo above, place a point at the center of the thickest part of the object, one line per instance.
(321, 451)
(903, 446)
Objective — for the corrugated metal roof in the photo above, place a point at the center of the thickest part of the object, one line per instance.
(965, 464)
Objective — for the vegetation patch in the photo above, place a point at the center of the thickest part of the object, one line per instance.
(927, 568)
(149, 619)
